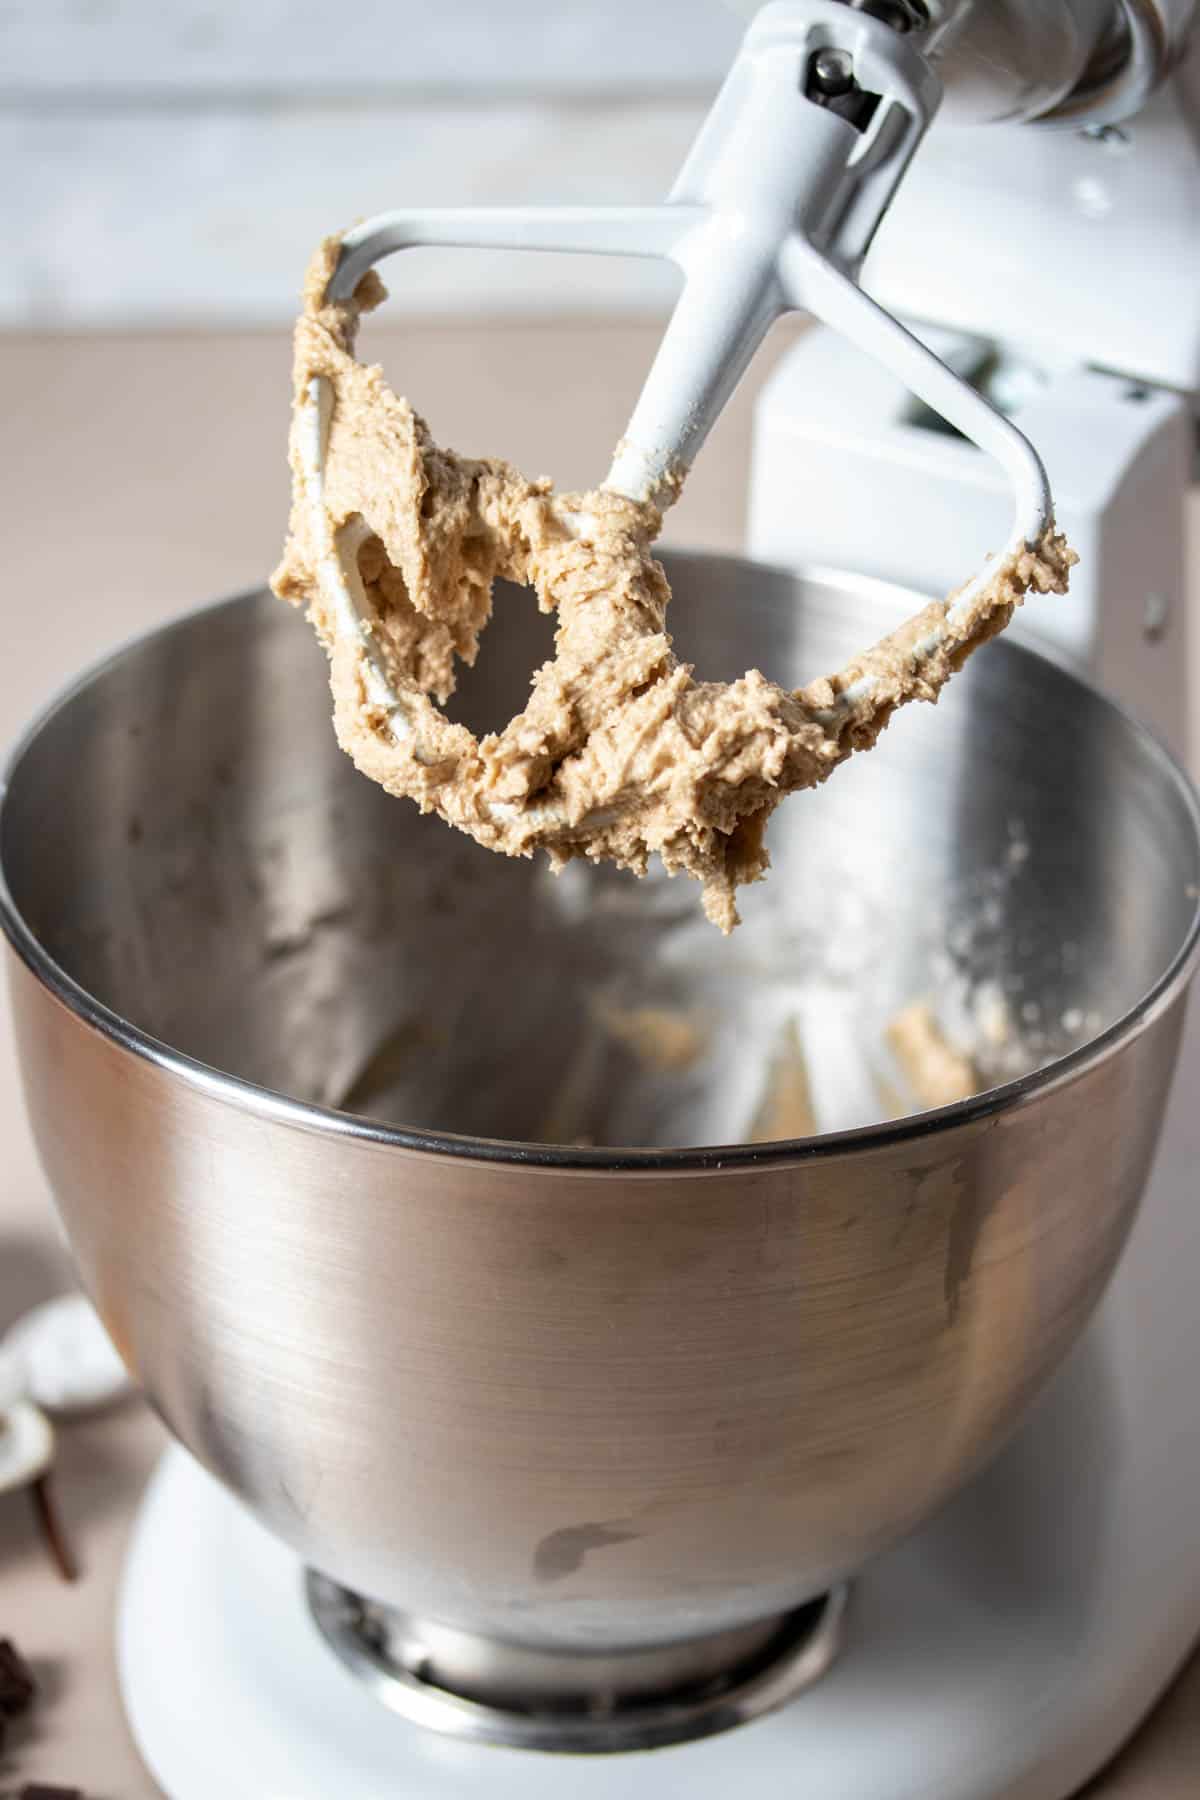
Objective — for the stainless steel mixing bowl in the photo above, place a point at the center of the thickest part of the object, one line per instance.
(580, 1396)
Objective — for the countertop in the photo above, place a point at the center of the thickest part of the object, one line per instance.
(143, 476)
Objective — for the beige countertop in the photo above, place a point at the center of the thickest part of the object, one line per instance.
(145, 475)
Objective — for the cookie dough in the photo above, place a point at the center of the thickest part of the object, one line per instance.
(937, 1073)
(620, 753)
(663, 1038)
(787, 1109)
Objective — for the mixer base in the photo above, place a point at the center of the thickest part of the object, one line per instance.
(479, 1689)
(968, 1671)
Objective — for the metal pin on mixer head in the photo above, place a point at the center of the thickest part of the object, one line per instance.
(774, 211)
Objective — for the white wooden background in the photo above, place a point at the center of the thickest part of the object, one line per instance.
(173, 161)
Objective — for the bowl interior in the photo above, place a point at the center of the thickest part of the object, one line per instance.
(185, 839)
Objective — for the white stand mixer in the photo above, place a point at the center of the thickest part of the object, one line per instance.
(1007, 1650)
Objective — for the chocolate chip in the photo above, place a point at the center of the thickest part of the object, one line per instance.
(17, 1686)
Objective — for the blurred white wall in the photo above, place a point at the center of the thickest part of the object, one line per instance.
(174, 161)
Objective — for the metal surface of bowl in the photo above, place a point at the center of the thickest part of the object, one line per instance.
(570, 1395)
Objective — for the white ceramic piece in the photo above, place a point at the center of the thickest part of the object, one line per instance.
(66, 1359)
(26, 1445)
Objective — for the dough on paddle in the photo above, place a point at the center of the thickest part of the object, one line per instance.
(621, 753)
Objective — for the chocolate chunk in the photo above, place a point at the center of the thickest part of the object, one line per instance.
(43, 1790)
(17, 1686)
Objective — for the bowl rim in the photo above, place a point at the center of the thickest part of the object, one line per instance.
(311, 1116)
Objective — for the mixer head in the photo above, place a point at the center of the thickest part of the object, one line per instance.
(773, 211)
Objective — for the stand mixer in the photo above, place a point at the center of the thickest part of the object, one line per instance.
(1006, 1647)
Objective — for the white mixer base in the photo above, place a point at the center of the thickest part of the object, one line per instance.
(969, 1673)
